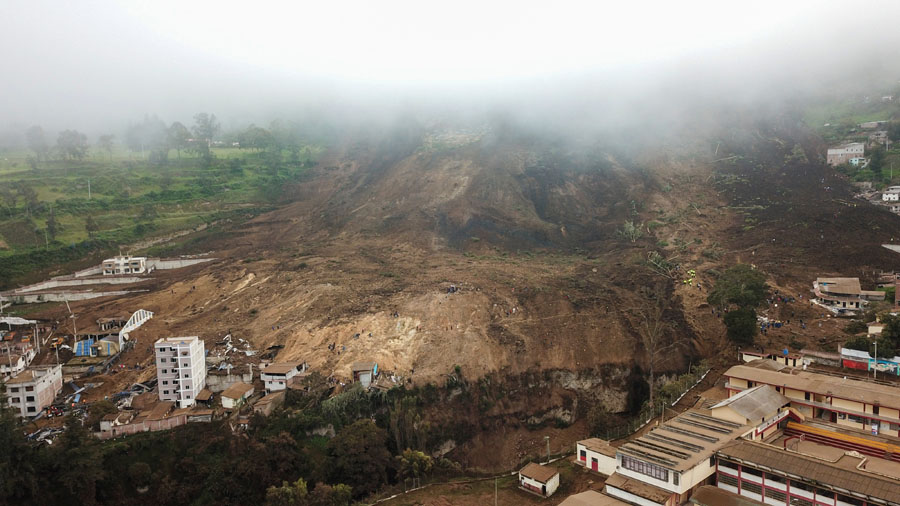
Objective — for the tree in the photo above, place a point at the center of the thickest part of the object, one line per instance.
(150, 135)
(894, 131)
(18, 479)
(654, 329)
(358, 456)
(106, 143)
(631, 231)
(52, 225)
(37, 142)
(72, 144)
(414, 464)
(744, 287)
(179, 137)
(206, 126)
(288, 494)
(876, 161)
(9, 198)
(740, 285)
(741, 325)
(327, 495)
(91, 226)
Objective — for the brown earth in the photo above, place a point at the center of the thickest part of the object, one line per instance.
(375, 235)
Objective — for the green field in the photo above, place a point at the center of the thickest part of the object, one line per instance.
(129, 199)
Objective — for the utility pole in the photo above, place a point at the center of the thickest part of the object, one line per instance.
(495, 491)
(547, 439)
(89, 188)
(875, 366)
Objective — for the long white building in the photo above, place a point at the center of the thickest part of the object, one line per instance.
(180, 369)
(34, 389)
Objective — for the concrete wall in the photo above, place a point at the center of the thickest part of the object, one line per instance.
(70, 296)
(605, 464)
(56, 283)
(177, 263)
(145, 426)
(217, 383)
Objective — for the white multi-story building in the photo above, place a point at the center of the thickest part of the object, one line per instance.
(34, 389)
(180, 369)
(842, 154)
(280, 375)
(124, 265)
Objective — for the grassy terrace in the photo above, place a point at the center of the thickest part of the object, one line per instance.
(110, 201)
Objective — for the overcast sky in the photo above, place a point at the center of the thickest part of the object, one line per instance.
(79, 64)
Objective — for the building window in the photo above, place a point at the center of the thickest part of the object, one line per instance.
(31, 409)
(165, 392)
(14, 390)
(639, 466)
(30, 398)
(806, 395)
(165, 382)
(29, 389)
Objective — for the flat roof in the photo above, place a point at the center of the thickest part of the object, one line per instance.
(843, 388)
(538, 472)
(363, 366)
(598, 445)
(160, 410)
(29, 375)
(176, 340)
(237, 390)
(203, 395)
(686, 440)
(838, 475)
(638, 488)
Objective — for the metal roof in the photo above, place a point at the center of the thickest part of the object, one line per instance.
(755, 403)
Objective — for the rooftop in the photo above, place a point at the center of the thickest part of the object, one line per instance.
(591, 498)
(710, 495)
(160, 410)
(797, 379)
(848, 286)
(843, 474)
(755, 403)
(686, 440)
(599, 445)
(31, 374)
(638, 488)
(237, 390)
(281, 367)
(362, 366)
(203, 395)
(177, 340)
(538, 472)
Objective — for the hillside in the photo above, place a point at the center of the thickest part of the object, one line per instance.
(530, 234)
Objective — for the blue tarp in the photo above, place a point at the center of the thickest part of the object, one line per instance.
(83, 348)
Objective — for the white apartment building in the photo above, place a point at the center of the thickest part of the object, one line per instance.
(124, 265)
(842, 154)
(34, 389)
(180, 369)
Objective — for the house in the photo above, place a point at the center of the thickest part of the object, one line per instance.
(34, 389)
(842, 154)
(591, 498)
(364, 372)
(280, 375)
(538, 479)
(124, 265)
(892, 194)
(14, 359)
(596, 455)
(236, 395)
(842, 401)
(180, 369)
(204, 397)
(161, 416)
(219, 378)
(858, 161)
(199, 415)
(869, 125)
(843, 295)
(269, 403)
(115, 420)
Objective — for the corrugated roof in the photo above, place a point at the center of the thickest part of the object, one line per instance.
(237, 390)
(638, 488)
(281, 367)
(709, 495)
(203, 395)
(810, 468)
(362, 366)
(538, 472)
(755, 403)
(592, 498)
(797, 379)
(847, 286)
(684, 441)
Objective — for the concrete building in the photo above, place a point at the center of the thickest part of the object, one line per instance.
(236, 395)
(124, 265)
(842, 154)
(842, 401)
(807, 474)
(538, 479)
(34, 389)
(843, 295)
(269, 403)
(591, 498)
(280, 375)
(596, 455)
(14, 359)
(180, 369)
